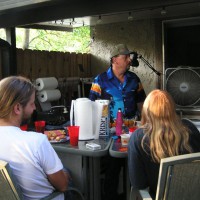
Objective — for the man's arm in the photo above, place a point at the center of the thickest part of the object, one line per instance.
(59, 180)
(141, 96)
(139, 106)
(52, 166)
(139, 110)
(95, 91)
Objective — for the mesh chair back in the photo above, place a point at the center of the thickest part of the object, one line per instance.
(179, 178)
(9, 189)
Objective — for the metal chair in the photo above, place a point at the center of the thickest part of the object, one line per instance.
(10, 190)
(179, 178)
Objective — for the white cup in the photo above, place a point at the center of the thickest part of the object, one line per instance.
(125, 139)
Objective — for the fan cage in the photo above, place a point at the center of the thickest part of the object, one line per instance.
(183, 83)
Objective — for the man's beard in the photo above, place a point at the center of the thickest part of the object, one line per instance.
(25, 118)
(25, 121)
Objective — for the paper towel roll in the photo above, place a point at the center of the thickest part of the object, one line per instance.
(87, 115)
(83, 118)
(48, 95)
(46, 83)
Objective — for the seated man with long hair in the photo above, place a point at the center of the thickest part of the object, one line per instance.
(34, 162)
(162, 134)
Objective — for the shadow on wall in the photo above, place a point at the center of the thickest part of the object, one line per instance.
(99, 65)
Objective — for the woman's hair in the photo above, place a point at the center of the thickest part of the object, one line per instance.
(13, 90)
(163, 128)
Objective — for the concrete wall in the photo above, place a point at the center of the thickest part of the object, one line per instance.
(143, 36)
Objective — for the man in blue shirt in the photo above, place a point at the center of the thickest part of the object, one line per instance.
(124, 90)
(122, 87)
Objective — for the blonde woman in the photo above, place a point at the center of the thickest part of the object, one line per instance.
(161, 135)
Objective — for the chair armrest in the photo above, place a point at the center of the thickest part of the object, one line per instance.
(52, 195)
(77, 191)
(56, 193)
(145, 194)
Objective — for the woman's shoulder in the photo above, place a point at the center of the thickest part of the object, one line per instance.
(136, 141)
(194, 137)
(190, 125)
(137, 135)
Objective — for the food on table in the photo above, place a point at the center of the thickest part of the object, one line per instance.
(55, 135)
(123, 149)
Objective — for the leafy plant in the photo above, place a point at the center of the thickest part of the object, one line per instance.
(36, 39)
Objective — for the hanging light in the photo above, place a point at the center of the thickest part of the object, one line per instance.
(130, 17)
(163, 11)
(61, 21)
(99, 20)
(73, 21)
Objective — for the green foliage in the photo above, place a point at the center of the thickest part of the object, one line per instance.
(35, 39)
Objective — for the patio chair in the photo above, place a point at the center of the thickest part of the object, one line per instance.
(179, 178)
(10, 190)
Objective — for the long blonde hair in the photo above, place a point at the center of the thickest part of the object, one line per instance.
(162, 126)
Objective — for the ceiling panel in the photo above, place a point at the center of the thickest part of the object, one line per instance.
(60, 13)
(10, 4)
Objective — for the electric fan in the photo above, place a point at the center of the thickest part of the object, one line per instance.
(183, 83)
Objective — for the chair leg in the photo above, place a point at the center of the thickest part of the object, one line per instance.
(139, 194)
(77, 191)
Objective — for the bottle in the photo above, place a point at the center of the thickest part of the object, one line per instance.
(119, 122)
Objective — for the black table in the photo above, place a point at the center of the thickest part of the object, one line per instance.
(118, 151)
(89, 156)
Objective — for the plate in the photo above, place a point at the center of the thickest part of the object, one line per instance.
(60, 141)
(55, 132)
(56, 136)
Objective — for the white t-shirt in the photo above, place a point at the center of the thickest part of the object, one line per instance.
(31, 157)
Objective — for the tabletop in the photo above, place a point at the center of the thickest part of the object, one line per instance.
(81, 148)
(117, 150)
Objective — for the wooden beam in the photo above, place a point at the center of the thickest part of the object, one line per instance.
(47, 27)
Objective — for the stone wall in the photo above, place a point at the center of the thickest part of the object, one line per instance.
(143, 36)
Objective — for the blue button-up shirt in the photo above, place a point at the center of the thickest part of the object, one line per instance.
(124, 95)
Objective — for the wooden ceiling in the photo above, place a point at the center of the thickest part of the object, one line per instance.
(29, 12)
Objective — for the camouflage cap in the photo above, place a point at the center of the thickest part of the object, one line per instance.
(120, 49)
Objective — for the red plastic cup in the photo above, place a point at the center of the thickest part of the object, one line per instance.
(24, 127)
(132, 129)
(40, 126)
(73, 135)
